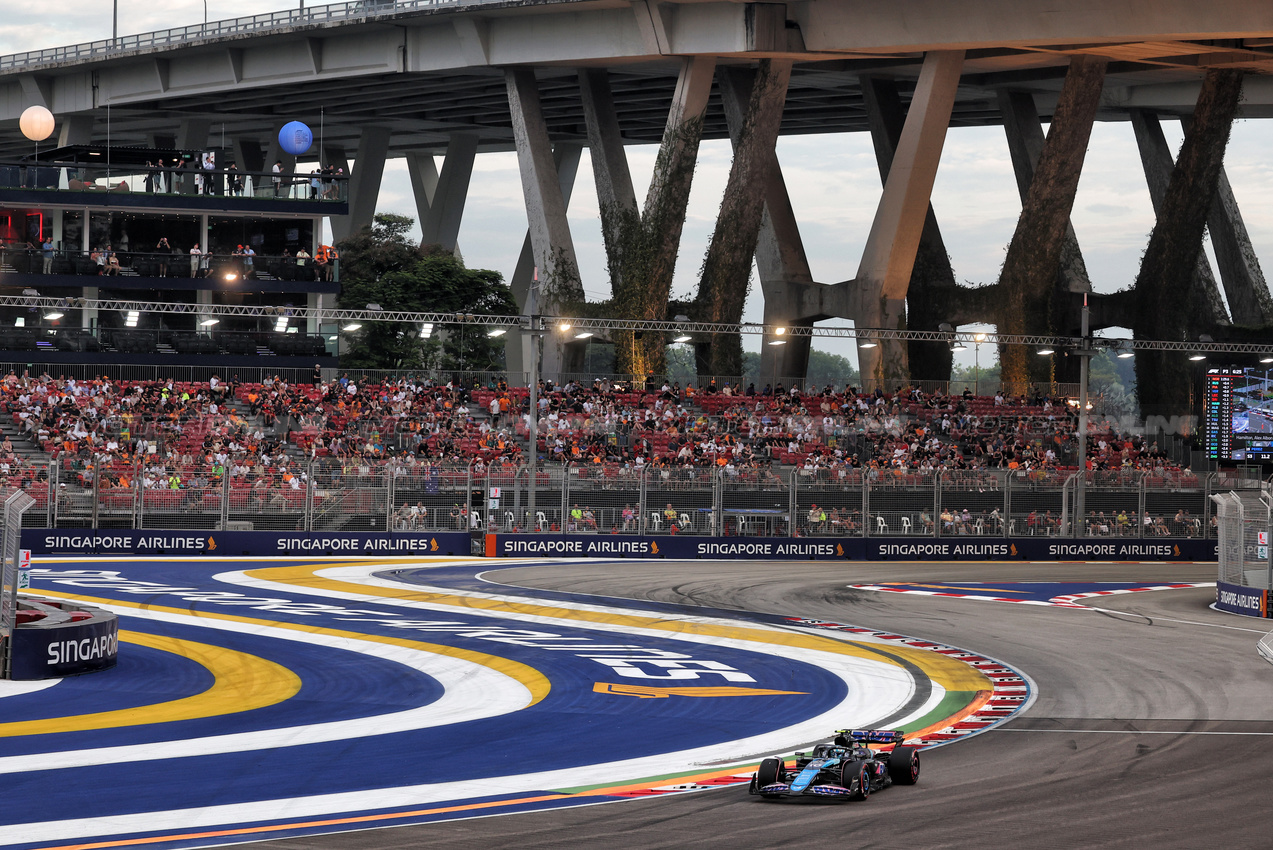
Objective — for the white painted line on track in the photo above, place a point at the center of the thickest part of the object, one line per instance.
(16, 688)
(876, 689)
(1186, 622)
(471, 692)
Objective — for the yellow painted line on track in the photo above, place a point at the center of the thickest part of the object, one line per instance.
(242, 682)
(389, 816)
(950, 674)
(280, 827)
(530, 678)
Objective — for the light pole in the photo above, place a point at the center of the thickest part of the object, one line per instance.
(977, 340)
(1085, 353)
(774, 385)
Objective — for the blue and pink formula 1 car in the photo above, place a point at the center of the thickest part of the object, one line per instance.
(845, 769)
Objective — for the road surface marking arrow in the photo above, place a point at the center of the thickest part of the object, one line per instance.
(647, 692)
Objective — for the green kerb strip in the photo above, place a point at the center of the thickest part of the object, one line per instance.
(948, 707)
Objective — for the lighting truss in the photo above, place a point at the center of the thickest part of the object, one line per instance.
(326, 314)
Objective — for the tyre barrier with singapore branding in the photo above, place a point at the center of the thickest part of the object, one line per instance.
(1239, 599)
(55, 638)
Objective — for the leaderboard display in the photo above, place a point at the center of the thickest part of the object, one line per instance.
(1239, 415)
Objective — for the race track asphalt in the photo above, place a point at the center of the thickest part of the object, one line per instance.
(1152, 727)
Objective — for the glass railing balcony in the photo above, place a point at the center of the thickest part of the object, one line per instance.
(221, 267)
(189, 181)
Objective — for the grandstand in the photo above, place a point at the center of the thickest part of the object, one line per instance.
(408, 454)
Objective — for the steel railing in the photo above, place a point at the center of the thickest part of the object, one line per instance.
(354, 493)
(284, 19)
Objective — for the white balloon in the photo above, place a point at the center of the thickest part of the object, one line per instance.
(36, 123)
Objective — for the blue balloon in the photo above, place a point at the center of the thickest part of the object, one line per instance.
(295, 138)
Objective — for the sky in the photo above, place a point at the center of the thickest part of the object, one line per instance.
(833, 181)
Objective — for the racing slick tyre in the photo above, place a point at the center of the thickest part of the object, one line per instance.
(903, 765)
(862, 773)
(769, 772)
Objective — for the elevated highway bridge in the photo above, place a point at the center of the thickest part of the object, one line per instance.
(428, 70)
(411, 79)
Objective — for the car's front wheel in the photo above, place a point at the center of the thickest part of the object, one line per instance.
(861, 773)
(769, 772)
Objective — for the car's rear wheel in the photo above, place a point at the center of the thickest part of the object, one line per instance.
(860, 772)
(903, 765)
(768, 772)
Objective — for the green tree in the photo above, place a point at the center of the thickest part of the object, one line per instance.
(1111, 385)
(986, 376)
(679, 360)
(379, 265)
(826, 369)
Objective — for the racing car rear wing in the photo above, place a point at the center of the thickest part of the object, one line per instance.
(868, 736)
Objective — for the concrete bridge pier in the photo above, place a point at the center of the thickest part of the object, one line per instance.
(931, 293)
(884, 273)
(517, 347)
(551, 243)
(440, 198)
(364, 180)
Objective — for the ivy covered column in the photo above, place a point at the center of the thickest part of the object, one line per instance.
(1028, 279)
(889, 257)
(780, 256)
(615, 195)
(1024, 131)
(1155, 156)
(726, 274)
(1164, 380)
(1250, 302)
(1245, 288)
(641, 247)
(550, 239)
